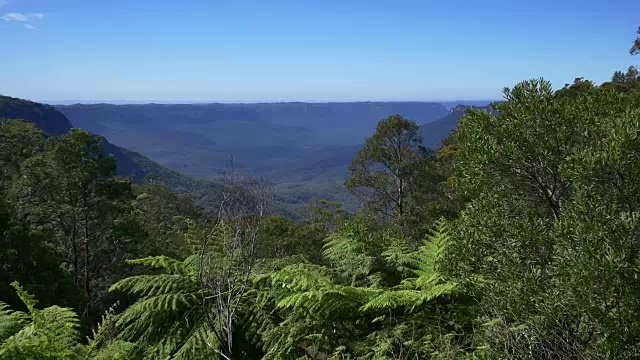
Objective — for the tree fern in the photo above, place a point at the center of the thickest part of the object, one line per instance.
(11, 321)
(50, 333)
(103, 345)
(168, 319)
(323, 314)
(357, 254)
(428, 283)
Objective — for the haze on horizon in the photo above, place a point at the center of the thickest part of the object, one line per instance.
(287, 50)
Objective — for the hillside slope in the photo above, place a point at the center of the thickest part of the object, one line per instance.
(53, 122)
(266, 137)
(129, 163)
(304, 148)
(346, 122)
(284, 142)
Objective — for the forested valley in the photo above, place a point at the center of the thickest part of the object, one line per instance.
(518, 238)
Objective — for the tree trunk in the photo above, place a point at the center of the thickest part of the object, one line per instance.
(87, 289)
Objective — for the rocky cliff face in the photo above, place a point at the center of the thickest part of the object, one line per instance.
(46, 117)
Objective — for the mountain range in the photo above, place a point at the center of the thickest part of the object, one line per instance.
(304, 148)
(274, 139)
(129, 163)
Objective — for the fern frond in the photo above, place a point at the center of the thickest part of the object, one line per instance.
(347, 251)
(116, 350)
(152, 285)
(28, 299)
(431, 252)
(11, 321)
(60, 324)
(408, 298)
(54, 336)
(163, 303)
(172, 266)
(301, 277)
(168, 319)
(399, 254)
(328, 302)
(200, 344)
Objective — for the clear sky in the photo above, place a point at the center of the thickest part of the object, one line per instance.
(305, 50)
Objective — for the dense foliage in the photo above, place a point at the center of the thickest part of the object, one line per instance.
(517, 239)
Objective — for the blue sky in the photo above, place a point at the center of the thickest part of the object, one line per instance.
(297, 50)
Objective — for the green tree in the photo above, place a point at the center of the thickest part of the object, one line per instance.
(631, 75)
(25, 257)
(19, 140)
(548, 242)
(281, 237)
(326, 215)
(168, 319)
(165, 218)
(359, 306)
(52, 333)
(626, 82)
(513, 152)
(580, 86)
(618, 77)
(433, 196)
(23, 254)
(384, 170)
(69, 191)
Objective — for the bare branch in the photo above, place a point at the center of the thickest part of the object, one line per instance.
(227, 253)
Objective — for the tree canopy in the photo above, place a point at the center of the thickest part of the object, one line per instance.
(517, 239)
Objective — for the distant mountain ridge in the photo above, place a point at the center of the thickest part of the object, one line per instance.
(355, 120)
(450, 105)
(46, 117)
(335, 122)
(305, 148)
(129, 163)
(198, 138)
(53, 122)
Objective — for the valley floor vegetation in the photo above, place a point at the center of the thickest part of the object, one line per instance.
(518, 239)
